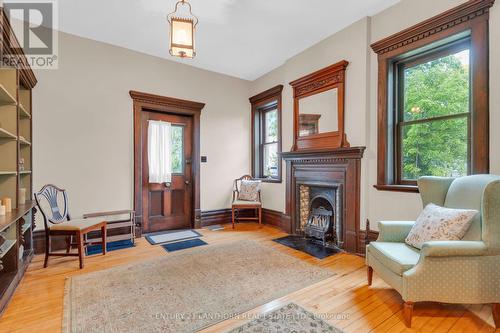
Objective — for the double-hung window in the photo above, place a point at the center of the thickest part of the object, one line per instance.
(432, 92)
(266, 135)
(433, 112)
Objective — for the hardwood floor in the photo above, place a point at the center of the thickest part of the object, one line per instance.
(344, 300)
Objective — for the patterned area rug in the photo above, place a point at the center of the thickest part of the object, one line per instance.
(184, 291)
(290, 318)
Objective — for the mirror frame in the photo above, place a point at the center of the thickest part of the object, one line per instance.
(325, 79)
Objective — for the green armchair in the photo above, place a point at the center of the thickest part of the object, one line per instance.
(465, 271)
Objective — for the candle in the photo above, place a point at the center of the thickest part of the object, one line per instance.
(7, 202)
(2, 210)
(22, 196)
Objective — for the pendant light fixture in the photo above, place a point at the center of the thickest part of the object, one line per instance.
(182, 31)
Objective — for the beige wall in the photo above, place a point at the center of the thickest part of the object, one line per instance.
(352, 44)
(83, 114)
(83, 128)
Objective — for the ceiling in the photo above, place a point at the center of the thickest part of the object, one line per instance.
(241, 38)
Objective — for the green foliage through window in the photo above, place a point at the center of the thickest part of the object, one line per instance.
(177, 153)
(435, 116)
(270, 144)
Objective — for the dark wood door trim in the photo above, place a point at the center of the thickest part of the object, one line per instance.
(155, 103)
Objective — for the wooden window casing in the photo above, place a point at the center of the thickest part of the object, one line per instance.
(262, 103)
(469, 21)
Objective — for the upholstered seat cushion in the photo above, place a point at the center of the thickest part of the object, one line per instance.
(398, 257)
(75, 225)
(246, 203)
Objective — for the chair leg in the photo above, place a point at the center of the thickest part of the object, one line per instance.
(47, 249)
(496, 314)
(369, 273)
(408, 313)
(69, 240)
(232, 216)
(103, 243)
(260, 217)
(79, 240)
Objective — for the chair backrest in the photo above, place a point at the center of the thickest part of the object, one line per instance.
(237, 182)
(53, 204)
(479, 192)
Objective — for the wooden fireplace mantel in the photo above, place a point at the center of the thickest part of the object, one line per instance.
(339, 166)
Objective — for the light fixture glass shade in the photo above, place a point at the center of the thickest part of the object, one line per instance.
(182, 37)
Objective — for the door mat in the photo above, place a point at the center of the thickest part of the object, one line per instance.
(172, 247)
(215, 227)
(111, 246)
(170, 236)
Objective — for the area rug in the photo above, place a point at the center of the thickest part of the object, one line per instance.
(183, 245)
(307, 246)
(163, 237)
(287, 319)
(184, 291)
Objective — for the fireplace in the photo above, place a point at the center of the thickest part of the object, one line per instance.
(323, 196)
(320, 212)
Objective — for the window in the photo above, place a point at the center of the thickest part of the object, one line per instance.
(433, 99)
(266, 135)
(433, 113)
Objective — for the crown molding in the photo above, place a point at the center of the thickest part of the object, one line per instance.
(468, 11)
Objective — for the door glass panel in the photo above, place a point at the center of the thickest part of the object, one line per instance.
(177, 144)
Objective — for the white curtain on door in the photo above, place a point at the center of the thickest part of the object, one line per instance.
(159, 152)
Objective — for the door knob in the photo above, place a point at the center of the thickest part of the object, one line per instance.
(187, 182)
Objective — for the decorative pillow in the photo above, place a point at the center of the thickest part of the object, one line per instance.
(439, 223)
(249, 190)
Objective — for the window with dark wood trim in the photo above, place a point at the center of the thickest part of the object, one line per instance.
(266, 135)
(451, 48)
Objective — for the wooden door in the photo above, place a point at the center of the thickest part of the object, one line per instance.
(169, 206)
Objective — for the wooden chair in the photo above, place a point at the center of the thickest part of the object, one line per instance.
(238, 205)
(59, 223)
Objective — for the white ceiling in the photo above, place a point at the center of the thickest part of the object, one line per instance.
(241, 38)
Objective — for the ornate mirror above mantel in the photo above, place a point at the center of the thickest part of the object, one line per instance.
(319, 109)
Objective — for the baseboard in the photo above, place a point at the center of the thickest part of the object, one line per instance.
(57, 242)
(218, 216)
(222, 216)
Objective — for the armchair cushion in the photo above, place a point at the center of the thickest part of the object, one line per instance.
(75, 225)
(246, 203)
(249, 190)
(439, 223)
(398, 257)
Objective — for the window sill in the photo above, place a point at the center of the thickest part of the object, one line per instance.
(397, 188)
(267, 180)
